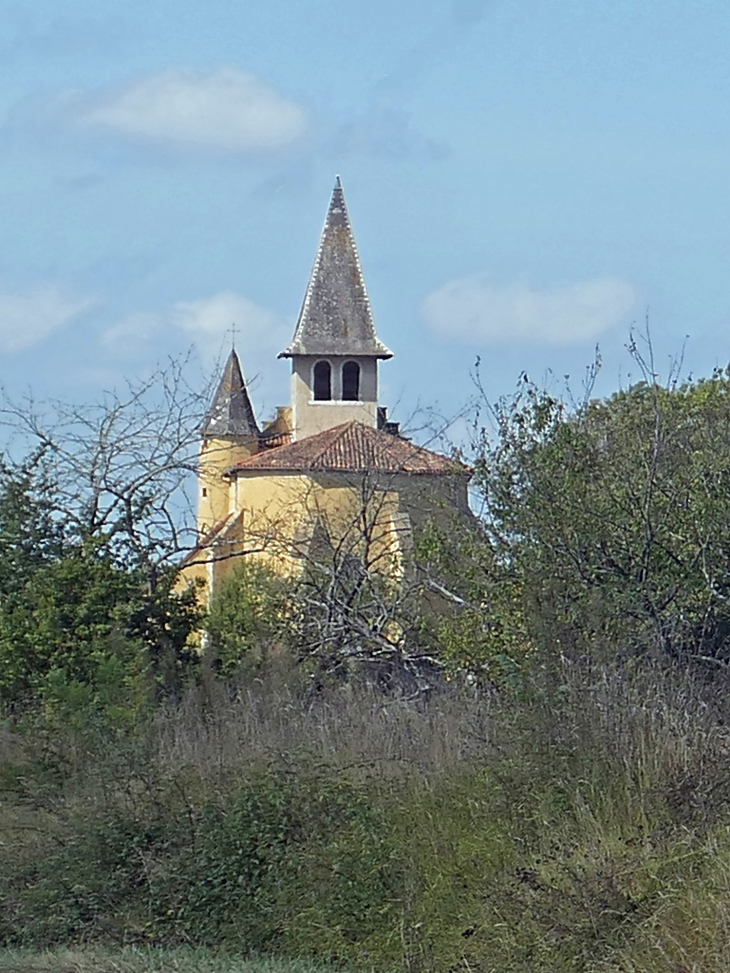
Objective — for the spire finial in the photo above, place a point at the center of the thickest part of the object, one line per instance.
(234, 332)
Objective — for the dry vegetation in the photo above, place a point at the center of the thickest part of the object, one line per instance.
(548, 791)
(142, 961)
(580, 826)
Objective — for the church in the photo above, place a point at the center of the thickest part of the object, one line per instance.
(329, 477)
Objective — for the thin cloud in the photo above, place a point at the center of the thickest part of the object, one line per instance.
(260, 335)
(471, 309)
(128, 336)
(227, 110)
(206, 323)
(385, 131)
(29, 317)
(209, 323)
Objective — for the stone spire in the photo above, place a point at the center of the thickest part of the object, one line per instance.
(336, 318)
(231, 414)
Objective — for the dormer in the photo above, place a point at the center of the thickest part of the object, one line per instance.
(335, 349)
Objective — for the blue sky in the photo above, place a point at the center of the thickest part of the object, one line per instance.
(525, 180)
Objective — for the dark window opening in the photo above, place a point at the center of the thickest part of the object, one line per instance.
(322, 381)
(351, 381)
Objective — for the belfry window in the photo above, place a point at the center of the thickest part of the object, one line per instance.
(322, 381)
(351, 381)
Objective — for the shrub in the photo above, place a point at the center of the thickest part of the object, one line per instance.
(250, 614)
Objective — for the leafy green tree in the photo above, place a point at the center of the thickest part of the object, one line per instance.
(66, 600)
(612, 521)
(252, 610)
(30, 534)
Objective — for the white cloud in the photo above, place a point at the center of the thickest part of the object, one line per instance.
(27, 318)
(475, 310)
(227, 110)
(207, 323)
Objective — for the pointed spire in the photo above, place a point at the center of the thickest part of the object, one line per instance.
(336, 318)
(231, 414)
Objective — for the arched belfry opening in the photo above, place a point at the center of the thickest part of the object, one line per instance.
(351, 381)
(322, 381)
(335, 349)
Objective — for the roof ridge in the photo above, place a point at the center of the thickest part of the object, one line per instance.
(353, 446)
(341, 431)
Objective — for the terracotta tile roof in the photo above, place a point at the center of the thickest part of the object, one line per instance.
(352, 447)
(336, 317)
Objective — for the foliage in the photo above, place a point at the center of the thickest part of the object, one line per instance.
(563, 809)
(473, 614)
(68, 603)
(251, 610)
(610, 522)
(565, 833)
(298, 865)
(30, 535)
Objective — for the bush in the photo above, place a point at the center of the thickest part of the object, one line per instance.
(249, 616)
(558, 832)
(295, 865)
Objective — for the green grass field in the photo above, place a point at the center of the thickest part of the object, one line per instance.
(143, 961)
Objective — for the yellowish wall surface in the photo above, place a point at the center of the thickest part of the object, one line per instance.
(214, 499)
(372, 518)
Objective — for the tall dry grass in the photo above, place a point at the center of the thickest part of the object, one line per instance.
(581, 825)
(661, 724)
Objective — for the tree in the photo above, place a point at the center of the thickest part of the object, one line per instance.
(119, 466)
(90, 527)
(68, 604)
(252, 611)
(612, 520)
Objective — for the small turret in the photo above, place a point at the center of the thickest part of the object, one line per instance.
(230, 434)
(231, 414)
(335, 348)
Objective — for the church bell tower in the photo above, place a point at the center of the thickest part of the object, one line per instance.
(335, 349)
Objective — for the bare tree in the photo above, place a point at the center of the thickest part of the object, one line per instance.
(360, 594)
(119, 467)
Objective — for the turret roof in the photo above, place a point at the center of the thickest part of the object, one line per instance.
(231, 414)
(336, 317)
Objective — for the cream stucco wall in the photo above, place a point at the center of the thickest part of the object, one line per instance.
(214, 499)
(371, 517)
